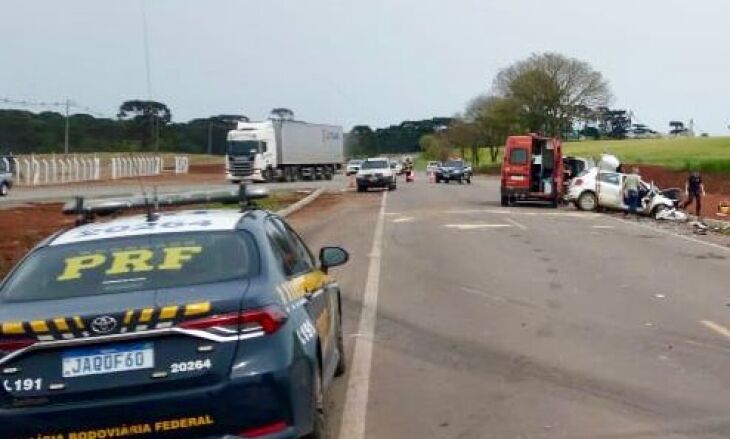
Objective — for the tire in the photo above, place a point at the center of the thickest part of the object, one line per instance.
(461, 181)
(468, 180)
(554, 203)
(505, 201)
(289, 175)
(437, 180)
(361, 188)
(4, 190)
(342, 363)
(587, 201)
(319, 417)
(392, 187)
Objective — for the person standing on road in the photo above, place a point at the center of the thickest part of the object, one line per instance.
(694, 190)
(631, 191)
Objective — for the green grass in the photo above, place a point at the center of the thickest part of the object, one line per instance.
(707, 154)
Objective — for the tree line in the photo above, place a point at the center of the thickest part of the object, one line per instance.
(140, 126)
(546, 93)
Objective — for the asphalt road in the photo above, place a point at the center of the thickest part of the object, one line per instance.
(464, 319)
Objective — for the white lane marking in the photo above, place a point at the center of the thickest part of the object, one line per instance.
(667, 232)
(476, 226)
(516, 224)
(604, 227)
(717, 328)
(407, 219)
(358, 386)
(584, 215)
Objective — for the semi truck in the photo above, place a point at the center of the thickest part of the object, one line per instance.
(283, 150)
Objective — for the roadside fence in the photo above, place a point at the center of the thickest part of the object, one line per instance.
(35, 170)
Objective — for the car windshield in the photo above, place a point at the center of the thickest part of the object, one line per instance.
(131, 264)
(354, 162)
(375, 164)
(454, 164)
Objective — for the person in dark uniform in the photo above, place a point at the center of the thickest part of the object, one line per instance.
(694, 190)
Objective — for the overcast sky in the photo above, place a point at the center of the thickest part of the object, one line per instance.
(366, 61)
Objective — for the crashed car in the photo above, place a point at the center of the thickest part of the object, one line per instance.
(596, 187)
(453, 170)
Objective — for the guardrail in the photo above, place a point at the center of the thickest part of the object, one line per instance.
(47, 170)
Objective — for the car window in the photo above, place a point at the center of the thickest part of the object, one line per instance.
(374, 164)
(137, 263)
(294, 260)
(610, 178)
(518, 156)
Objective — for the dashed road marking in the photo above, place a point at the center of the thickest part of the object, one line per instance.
(358, 385)
(604, 227)
(406, 219)
(476, 226)
(722, 330)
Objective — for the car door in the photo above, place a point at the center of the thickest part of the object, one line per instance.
(307, 281)
(610, 190)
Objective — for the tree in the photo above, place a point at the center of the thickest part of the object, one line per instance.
(550, 91)
(436, 147)
(146, 117)
(465, 135)
(497, 118)
(281, 114)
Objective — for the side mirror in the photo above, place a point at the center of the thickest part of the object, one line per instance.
(332, 257)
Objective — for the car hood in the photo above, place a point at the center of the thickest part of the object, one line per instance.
(366, 172)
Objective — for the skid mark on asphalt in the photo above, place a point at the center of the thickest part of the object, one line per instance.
(718, 328)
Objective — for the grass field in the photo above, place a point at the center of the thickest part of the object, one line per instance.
(706, 154)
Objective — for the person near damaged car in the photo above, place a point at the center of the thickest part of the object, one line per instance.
(632, 184)
(694, 190)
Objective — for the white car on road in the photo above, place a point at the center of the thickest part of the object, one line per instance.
(587, 195)
(432, 166)
(376, 172)
(352, 167)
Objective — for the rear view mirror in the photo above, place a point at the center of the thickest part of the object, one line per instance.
(332, 257)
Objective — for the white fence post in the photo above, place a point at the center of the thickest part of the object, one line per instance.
(36, 170)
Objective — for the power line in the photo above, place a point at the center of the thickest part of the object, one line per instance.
(52, 104)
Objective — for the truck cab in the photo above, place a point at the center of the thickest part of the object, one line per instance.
(250, 151)
(532, 170)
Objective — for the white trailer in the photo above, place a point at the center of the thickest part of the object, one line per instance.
(283, 150)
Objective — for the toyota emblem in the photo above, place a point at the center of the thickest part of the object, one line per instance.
(104, 324)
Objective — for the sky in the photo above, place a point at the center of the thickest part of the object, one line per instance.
(349, 62)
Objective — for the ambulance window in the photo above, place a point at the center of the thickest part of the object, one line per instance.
(518, 156)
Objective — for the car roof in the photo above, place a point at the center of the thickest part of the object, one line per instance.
(167, 222)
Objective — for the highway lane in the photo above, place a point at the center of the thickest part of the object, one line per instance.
(525, 322)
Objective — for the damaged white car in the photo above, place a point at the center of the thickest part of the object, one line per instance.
(602, 187)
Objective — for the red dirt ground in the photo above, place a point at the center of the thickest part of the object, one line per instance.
(716, 185)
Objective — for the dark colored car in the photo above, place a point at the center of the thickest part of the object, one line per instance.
(195, 324)
(453, 170)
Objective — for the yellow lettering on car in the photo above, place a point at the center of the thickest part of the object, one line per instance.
(75, 265)
(175, 256)
(131, 260)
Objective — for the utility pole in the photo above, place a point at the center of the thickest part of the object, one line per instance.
(65, 137)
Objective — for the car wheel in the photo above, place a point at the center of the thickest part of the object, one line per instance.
(361, 188)
(4, 189)
(468, 180)
(505, 201)
(392, 187)
(319, 421)
(587, 201)
(342, 363)
(461, 181)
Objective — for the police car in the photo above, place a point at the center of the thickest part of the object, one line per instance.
(194, 324)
